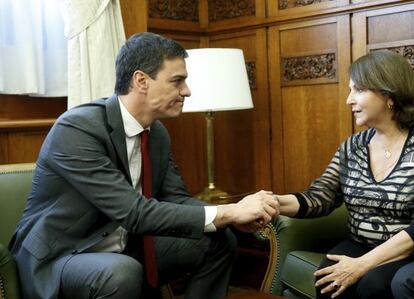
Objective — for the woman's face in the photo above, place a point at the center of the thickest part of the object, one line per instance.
(370, 108)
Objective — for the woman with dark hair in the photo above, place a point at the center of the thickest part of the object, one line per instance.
(372, 172)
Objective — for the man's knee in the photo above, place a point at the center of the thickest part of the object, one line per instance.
(402, 284)
(101, 275)
(124, 278)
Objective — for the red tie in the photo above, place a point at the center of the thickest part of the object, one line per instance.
(146, 183)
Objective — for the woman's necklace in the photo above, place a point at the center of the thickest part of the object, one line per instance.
(388, 149)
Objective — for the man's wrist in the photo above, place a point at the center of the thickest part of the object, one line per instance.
(224, 215)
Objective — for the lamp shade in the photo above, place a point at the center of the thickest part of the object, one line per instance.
(217, 79)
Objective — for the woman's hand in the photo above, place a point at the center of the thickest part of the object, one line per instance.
(341, 275)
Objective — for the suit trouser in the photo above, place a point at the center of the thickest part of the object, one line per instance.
(117, 275)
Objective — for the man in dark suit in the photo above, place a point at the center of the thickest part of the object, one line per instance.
(81, 233)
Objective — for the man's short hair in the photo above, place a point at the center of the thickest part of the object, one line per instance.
(145, 52)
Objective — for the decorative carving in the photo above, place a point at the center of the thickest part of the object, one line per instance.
(251, 74)
(183, 10)
(228, 9)
(309, 67)
(284, 4)
(406, 51)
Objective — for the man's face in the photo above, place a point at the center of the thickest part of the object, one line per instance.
(167, 91)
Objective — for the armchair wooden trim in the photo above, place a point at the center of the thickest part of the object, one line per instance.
(287, 234)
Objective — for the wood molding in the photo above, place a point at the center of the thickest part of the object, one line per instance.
(26, 124)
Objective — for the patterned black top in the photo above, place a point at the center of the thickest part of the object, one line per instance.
(377, 210)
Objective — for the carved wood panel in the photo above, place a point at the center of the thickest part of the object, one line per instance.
(285, 4)
(182, 10)
(406, 51)
(229, 9)
(309, 67)
(251, 73)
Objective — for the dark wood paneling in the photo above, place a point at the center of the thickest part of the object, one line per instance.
(243, 137)
(310, 117)
(134, 16)
(25, 107)
(188, 134)
(20, 140)
(24, 123)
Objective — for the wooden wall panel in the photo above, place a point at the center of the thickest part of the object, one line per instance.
(387, 28)
(134, 16)
(188, 133)
(25, 107)
(225, 14)
(20, 140)
(391, 27)
(308, 75)
(24, 147)
(310, 129)
(292, 7)
(24, 122)
(4, 149)
(382, 29)
(242, 137)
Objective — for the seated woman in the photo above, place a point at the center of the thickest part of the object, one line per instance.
(372, 172)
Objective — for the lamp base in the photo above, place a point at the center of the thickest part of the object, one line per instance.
(213, 195)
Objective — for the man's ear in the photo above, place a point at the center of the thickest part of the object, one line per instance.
(140, 81)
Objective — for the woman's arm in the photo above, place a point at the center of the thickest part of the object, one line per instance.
(289, 205)
(348, 271)
(396, 248)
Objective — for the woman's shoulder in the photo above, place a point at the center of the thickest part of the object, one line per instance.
(359, 139)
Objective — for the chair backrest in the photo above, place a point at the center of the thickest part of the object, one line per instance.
(15, 184)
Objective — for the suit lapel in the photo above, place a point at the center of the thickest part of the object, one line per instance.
(113, 113)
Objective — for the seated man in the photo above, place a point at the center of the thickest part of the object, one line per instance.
(103, 210)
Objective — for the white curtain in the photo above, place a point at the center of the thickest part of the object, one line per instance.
(33, 48)
(95, 33)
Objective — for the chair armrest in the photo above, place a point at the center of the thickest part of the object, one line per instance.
(289, 234)
(9, 280)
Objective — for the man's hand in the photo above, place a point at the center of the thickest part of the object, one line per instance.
(250, 214)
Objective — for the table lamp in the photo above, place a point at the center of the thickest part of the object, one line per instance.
(217, 78)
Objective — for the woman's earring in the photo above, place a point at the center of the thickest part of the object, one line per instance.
(391, 106)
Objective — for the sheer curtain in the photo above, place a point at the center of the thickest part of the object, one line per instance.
(95, 33)
(33, 49)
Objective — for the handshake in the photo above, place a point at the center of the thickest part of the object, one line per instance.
(250, 214)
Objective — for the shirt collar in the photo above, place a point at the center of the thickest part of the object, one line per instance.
(131, 125)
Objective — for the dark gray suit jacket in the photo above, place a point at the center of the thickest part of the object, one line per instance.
(82, 192)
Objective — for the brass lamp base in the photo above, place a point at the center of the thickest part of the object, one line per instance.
(213, 195)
